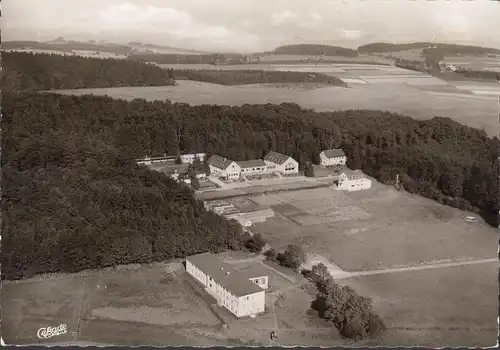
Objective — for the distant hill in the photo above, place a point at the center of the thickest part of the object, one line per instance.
(38, 72)
(161, 48)
(312, 49)
(444, 49)
(68, 46)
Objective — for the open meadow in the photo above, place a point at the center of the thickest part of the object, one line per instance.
(452, 306)
(156, 304)
(432, 275)
(386, 228)
(371, 87)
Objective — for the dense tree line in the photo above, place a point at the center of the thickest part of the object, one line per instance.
(353, 315)
(73, 198)
(68, 46)
(418, 66)
(240, 77)
(389, 47)
(317, 50)
(28, 71)
(162, 58)
(479, 74)
(445, 49)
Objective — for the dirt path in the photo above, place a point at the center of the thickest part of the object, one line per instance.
(343, 275)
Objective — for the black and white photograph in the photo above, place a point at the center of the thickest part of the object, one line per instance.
(239, 173)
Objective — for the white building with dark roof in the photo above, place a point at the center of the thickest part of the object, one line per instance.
(331, 157)
(240, 291)
(280, 162)
(354, 180)
(252, 167)
(189, 158)
(223, 167)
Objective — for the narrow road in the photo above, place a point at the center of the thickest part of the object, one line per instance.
(343, 275)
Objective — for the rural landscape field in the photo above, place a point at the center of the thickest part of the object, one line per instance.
(386, 244)
(369, 87)
(214, 174)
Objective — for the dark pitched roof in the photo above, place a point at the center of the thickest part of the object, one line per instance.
(333, 153)
(224, 274)
(276, 158)
(354, 174)
(251, 163)
(219, 162)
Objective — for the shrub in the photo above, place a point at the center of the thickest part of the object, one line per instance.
(255, 243)
(292, 257)
(270, 254)
(352, 314)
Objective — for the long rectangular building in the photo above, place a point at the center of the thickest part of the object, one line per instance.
(241, 292)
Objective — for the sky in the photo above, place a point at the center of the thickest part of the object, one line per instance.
(254, 25)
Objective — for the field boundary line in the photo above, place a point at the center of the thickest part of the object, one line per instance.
(415, 268)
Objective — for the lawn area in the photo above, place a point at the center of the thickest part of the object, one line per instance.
(33, 304)
(436, 307)
(122, 298)
(385, 228)
(150, 295)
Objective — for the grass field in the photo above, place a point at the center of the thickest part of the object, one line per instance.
(438, 306)
(455, 306)
(114, 299)
(158, 304)
(412, 96)
(385, 228)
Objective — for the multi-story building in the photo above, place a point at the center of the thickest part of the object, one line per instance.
(241, 292)
(353, 180)
(281, 162)
(252, 167)
(331, 157)
(223, 167)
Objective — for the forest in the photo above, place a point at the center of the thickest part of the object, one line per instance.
(444, 49)
(73, 198)
(241, 77)
(161, 58)
(38, 72)
(313, 49)
(68, 46)
(479, 74)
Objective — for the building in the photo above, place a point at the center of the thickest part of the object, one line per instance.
(241, 292)
(281, 162)
(152, 160)
(176, 171)
(223, 167)
(331, 157)
(353, 180)
(189, 158)
(252, 167)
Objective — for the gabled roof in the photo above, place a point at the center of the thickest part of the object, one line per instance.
(219, 162)
(251, 163)
(333, 153)
(224, 274)
(354, 174)
(276, 158)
